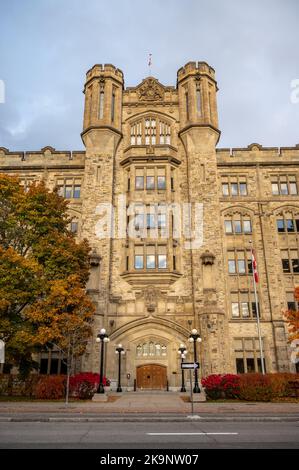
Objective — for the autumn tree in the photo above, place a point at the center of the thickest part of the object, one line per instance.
(43, 274)
(292, 317)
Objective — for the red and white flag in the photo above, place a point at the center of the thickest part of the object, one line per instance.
(254, 267)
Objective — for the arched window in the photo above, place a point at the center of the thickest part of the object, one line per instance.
(150, 131)
(151, 349)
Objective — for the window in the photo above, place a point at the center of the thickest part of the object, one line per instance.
(284, 185)
(243, 305)
(138, 264)
(187, 105)
(161, 220)
(113, 104)
(290, 261)
(239, 262)
(52, 363)
(288, 222)
(151, 349)
(291, 301)
(234, 186)
(69, 188)
(150, 178)
(74, 227)
(247, 355)
(150, 131)
(150, 256)
(77, 192)
(26, 182)
(101, 105)
(237, 224)
(198, 101)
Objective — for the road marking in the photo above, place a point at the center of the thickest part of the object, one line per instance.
(192, 433)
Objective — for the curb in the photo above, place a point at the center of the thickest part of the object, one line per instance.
(190, 418)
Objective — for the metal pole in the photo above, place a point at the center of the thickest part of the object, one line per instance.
(119, 389)
(258, 317)
(196, 386)
(183, 388)
(101, 387)
(191, 392)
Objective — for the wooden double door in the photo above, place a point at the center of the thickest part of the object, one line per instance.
(152, 377)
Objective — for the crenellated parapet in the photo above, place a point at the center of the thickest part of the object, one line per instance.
(47, 157)
(257, 154)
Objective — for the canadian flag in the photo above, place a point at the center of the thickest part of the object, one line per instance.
(254, 267)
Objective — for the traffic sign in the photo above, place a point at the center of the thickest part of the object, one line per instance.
(190, 365)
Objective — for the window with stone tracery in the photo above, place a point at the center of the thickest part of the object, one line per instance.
(151, 349)
(150, 131)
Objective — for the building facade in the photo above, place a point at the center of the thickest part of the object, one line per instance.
(171, 219)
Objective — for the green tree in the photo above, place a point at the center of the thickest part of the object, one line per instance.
(43, 274)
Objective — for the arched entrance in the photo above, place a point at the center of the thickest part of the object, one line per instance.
(151, 377)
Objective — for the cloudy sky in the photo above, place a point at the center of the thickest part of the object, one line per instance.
(47, 46)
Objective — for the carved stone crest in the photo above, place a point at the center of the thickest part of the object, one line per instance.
(150, 90)
(150, 294)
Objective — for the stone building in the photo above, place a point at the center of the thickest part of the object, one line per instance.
(194, 211)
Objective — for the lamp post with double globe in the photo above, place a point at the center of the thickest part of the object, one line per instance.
(182, 351)
(102, 338)
(195, 338)
(119, 350)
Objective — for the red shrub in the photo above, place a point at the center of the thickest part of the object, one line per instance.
(50, 387)
(85, 384)
(212, 386)
(230, 384)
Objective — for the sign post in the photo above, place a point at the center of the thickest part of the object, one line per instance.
(191, 366)
(191, 392)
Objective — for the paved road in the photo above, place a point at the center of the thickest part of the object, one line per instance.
(157, 435)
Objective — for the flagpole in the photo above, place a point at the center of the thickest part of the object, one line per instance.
(257, 313)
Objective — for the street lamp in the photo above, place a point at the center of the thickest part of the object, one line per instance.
(182, 351)
(195, 338)
(119, 350)
(102, 338)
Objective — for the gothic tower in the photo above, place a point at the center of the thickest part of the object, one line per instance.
(199, 133)
(101, 136)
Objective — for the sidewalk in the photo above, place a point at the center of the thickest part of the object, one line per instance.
(143, 405)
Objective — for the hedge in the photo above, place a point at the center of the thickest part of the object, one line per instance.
(250, 387)
(50, 387)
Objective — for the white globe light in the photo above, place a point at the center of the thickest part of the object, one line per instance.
(194, 331)
(106, 340)
(98, 340)
(120, 345)
(102, 331)
(183, 356)
(182, 345)
(190, 340)
(123, 352)
(116, 352)
(199, 340)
